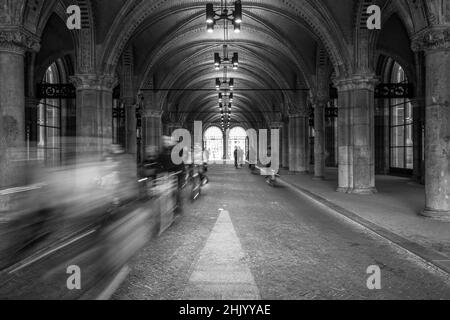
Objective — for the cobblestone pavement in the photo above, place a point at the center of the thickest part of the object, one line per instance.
(293, 247)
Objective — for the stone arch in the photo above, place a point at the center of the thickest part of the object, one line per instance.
(54, 44)
(199, 61)
(325, 29)
(33, 12)
(12, 12)
(84, 39)
(392, 8)
(164, 48)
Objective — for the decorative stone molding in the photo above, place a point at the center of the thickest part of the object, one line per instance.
(325, 28)
(432, 39)
(357, 82)
(276, 125)
(129, 101)
(94, 82)
(298, 114)
(18, 40)
(174, 125)
(174, 117)
(152, 114)
(321, 99)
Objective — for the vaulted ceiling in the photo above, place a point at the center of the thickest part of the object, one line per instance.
(278, 48)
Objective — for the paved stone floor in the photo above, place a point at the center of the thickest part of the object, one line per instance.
(395, 207)
(245, 240)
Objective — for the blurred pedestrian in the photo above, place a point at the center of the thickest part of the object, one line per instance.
(240, 157)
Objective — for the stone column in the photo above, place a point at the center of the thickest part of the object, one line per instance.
(285, 145)
(298, 143)
(436, 44)
(356, 134)
(14, 42)
(330, 141)
(130, 119)
(419, 118)
(276, 126)
(225, 147)
(94, 114)
(319, 139)
(152, 129)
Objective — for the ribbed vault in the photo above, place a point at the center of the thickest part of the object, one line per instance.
(277, 50)
(171, 49)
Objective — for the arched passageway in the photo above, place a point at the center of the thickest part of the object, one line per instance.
(237, 138)
(214, 145)
(363, 118)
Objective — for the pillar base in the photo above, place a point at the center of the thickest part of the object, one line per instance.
(342, 190)
(358, 191)
(441, 215)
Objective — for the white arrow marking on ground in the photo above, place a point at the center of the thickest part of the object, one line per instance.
(221, 272)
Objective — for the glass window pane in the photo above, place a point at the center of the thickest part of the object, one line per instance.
(398, 115)
(409, 135)
(401, 126)
(409, 158)
(49, 123)
(409, 113)
(41, 138)
(398, 157)
(52, 117)
(397, 137)
(53, 138)
(41, 115)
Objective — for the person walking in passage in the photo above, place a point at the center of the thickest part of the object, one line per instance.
(236, 155)
(241, 157)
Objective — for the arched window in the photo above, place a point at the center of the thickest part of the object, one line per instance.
(49, 123)
(401, 126)
(214, 143)
(237, 137)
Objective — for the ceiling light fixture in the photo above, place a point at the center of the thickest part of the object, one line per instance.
(212, 16)
(218, 61)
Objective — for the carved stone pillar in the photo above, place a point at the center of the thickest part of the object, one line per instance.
(285, 145)
(131, 126)
(435, 42)
(152, 129)
(298, 142)
(14, 42)
(419, 119)
(276, 125)
(94, 114)
(319, 139)
(356, 134)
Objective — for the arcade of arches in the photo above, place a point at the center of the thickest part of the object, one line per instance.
(307, 67)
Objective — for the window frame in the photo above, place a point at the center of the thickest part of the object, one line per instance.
(398, 75)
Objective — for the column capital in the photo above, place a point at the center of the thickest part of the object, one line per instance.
(436, 38)
(18, 40)
(320, 99)
(356, 82)
(297, 114)
(276, 125)
(93, 81)
(152, 113)
(129, 101)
